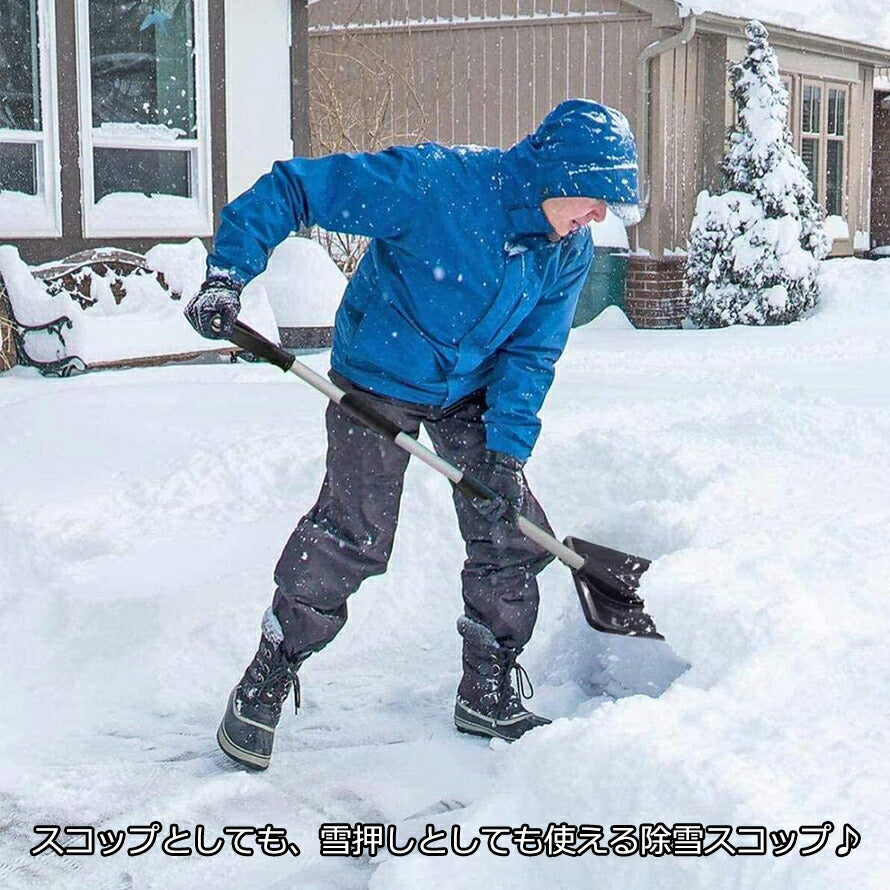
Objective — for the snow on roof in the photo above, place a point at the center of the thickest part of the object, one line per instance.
(863, 21)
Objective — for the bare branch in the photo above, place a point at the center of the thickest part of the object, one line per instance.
(362, 99)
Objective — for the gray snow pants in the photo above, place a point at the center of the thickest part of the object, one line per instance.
(347, 536)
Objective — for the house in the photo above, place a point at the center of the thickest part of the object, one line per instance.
(485, 72)
(127, 125)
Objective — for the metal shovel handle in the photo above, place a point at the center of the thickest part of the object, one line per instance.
(251, 341)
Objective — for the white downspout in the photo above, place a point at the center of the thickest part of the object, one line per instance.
(644, 98)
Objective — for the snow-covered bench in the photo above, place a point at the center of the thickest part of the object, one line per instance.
(45, 303)
(112, 308)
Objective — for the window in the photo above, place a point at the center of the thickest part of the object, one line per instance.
(810, 125)
(823, 129)
(145, 134)
(29, 186)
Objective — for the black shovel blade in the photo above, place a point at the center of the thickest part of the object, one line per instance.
(607, 586)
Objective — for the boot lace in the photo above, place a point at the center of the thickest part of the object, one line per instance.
(523, 682)
(508, 693)
(275, 679)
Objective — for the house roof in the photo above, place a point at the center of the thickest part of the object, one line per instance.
(859, 21)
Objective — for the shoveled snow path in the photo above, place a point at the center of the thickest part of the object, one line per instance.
(141, 514)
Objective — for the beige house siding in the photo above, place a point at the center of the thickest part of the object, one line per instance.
(490, 75)
(678, 145)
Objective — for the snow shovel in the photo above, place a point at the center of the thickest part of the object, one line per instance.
(606, 580)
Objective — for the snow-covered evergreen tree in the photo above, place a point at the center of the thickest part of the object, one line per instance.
(754, 251)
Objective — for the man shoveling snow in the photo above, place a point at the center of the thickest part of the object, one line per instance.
(453, 321)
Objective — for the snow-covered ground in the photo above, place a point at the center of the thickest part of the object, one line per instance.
(141, 513)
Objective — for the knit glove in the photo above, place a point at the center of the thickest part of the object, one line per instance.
(502, 473)
(219, 297)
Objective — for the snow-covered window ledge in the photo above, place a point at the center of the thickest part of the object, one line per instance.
(143, 83)
(30, 197)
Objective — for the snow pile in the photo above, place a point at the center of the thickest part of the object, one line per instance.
(31, 213)
(754, 251)
(865, 21)
(182, 265)
(30, 301)
(611, 319)
(141, 515)
(302, 284)
(836, 228)
(138, 213)
(855, 301)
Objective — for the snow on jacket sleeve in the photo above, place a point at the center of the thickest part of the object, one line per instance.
(524, 367)
(376, 195)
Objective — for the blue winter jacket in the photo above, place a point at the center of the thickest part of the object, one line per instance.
(460, 287)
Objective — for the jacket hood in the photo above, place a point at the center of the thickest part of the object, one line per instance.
(581, 149)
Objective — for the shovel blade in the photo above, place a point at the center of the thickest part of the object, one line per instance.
(607, 586)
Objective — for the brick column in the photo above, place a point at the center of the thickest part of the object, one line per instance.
(654, 297)
(880, 173)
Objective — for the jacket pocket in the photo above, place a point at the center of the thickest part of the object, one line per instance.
(385, 341)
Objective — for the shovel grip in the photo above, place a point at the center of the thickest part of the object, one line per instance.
(353, 405)
(473, 488)
(251, 341)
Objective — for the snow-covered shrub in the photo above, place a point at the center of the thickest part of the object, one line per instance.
(754, 251)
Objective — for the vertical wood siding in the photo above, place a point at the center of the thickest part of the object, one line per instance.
(678, 170)
(880, 186)
(481, 72)
(687, 136)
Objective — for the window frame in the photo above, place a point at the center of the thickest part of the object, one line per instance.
(196, 218)
(799, 82)
(817, 135)
(844, 90)
(47, 203)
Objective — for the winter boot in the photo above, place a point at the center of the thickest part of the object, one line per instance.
(487, 703)
(248, 726)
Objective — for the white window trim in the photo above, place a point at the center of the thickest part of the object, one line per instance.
(40, 215)
(823, 136)
(148, 217)
(818, 135)
(844, 139)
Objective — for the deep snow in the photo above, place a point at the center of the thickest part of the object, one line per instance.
(141, 513)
